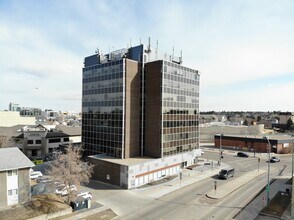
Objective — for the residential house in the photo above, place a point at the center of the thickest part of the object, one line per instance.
(14, 177)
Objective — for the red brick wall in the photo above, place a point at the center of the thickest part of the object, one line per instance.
(248, 145)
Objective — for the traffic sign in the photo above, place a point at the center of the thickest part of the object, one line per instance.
(267, 188)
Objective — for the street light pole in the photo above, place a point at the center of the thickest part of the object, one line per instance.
(268, 171)
(220, 150)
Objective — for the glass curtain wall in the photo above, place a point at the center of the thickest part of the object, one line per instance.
(180, 109)
(102, 108)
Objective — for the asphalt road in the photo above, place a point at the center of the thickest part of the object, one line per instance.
(191, 203)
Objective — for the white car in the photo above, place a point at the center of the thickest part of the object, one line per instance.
(64, 190)
(35, 174)
(85, 195)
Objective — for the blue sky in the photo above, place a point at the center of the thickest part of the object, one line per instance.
(243, 49)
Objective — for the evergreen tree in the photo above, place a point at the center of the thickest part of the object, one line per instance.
(289, 125)
(245, 122)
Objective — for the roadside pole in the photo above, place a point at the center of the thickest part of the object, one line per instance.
(215, 187)
(181, 177)
(212, 166)
(292, 199)
(258, 159)
(262, 202)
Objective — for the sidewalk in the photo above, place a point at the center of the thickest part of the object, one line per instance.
(87, 214)
(84, 214)
(188, 177)
(252, 210)
(226, 189)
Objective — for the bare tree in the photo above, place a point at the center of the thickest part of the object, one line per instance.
(6, 141)
(69, 169)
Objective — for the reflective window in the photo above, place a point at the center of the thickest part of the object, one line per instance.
(180, 104)
(102, 109)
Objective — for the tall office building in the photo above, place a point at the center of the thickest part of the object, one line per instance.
(14, 107)
(140, 115)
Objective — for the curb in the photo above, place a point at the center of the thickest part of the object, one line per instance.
(230, 187)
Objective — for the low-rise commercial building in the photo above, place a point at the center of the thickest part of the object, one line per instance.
(39, 142)
(9, 118)
(280, 144)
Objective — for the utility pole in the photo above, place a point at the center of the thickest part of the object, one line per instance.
(292, 199)
(268, 171)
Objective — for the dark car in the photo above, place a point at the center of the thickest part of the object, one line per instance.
(242, 154)
(274, 159)
(226, 173)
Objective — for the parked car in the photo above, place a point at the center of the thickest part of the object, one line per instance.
(64, 190)
(35, 174)
(242, 154)
(207, 163)
(85, 195)
(42, 179)
(274, 159)
(226, 173)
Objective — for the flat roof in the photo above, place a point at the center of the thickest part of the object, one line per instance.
(271, 137)
(126, 162)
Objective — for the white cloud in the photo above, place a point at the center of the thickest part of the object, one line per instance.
(229, 42)
(264, 98)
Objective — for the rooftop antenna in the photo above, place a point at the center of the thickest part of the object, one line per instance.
(109, 55)
(173, 51)
(181, 58)
(130, 42)
(149, 46)
(97, 51)
(156, 50)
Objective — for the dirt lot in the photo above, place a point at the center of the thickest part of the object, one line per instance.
(41, 204)
(277, 205)
(104, 215)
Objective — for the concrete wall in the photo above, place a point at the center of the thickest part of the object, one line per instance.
(106, 172)
(8, 119)
(24, 187)
(153, 109)
(257, 146)
(160, 164)
(75, 139)
(124, 176)
(132, 120)
(3, 189)
(207, 133)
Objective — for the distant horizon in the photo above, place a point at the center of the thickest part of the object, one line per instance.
(201, 111)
